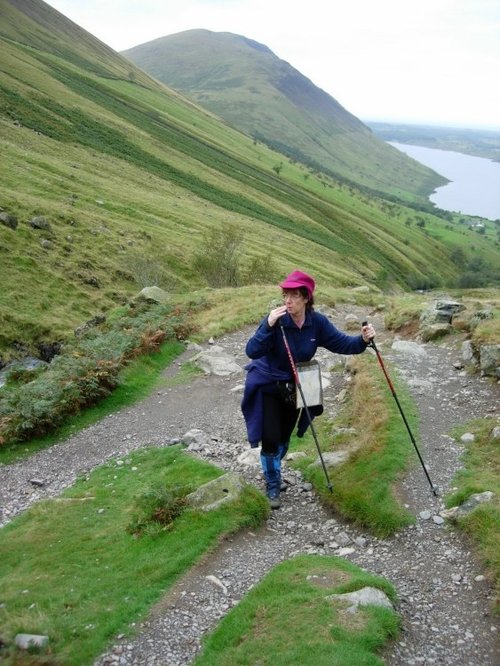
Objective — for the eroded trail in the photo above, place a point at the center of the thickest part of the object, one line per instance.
(444, 601)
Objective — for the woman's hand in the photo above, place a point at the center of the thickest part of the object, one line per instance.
(367, 332)
(275, 314)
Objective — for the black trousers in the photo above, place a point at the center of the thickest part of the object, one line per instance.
(279, 419)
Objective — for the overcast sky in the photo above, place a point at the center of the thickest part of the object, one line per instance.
(419, 61)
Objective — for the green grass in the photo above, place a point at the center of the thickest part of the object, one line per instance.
(288, 619)
(380, 452)
(481, 472)
(125, 169)
(70, 569)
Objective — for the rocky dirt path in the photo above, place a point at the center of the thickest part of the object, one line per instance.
(444, 598)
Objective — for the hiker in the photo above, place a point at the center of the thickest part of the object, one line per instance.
(269, 403)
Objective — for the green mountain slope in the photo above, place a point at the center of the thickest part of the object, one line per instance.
(245, 83)
(129, 176)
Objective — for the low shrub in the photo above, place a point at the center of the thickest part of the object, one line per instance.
(218, 260)
(156, 509)
(88, 370)
(43, 404)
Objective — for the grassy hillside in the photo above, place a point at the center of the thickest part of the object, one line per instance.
(245, 83)
(129, 177)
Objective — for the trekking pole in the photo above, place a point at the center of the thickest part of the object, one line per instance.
(299, 386)
(374, 346)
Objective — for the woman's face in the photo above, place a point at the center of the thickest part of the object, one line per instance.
(294, 301)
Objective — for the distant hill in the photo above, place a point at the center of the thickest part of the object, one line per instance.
(481, 143)
(247, 85)
(110, 181)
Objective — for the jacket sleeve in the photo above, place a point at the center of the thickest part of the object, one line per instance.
(337, 341)
(262, 341)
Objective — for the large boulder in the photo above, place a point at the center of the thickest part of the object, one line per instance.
(485, 358)
(481, 315)
(153, 295)
(216, 361)
(489, 362)
(9, 221)
(435, 331)
(468, 506)
(213, 494)
(470, 355)
(440, 312)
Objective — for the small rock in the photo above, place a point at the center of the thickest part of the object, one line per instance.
(27, 641)
(343, 539)
(343, 552)
(218, 582)
(40, 222)
(366, 596)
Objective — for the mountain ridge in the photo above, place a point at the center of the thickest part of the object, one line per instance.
(267, 98)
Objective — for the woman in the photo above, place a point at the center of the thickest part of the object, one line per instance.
(269, 412)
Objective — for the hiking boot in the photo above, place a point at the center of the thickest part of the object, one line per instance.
(274, 501)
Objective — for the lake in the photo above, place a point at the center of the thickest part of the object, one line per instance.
(475, 181)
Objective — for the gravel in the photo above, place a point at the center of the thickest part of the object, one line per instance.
(444, 597)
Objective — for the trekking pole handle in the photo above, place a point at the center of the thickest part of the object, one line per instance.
(370, 343)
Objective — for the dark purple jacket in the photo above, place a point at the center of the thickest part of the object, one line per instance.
(271, 363)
